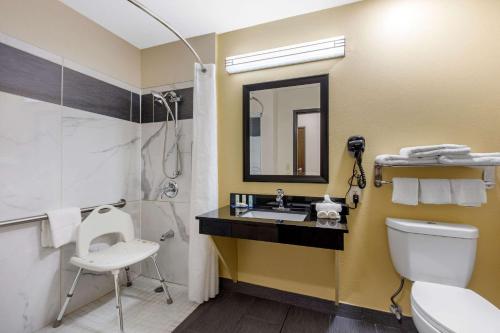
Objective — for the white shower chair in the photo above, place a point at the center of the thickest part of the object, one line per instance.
(128, 251)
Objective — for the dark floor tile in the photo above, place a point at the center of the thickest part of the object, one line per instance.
(348, 325)
(386, 329)
(221, 315)
(200, 311)
(382, 318)
(408, 326)
(268, 311)
(249, 324)
(300, 320)
(349, 311)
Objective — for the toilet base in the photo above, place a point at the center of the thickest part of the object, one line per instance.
(422, 325)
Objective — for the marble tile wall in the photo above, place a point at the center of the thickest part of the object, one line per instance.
(162, 214)
(53, 155)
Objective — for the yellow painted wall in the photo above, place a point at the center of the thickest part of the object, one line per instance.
(173, 62)
(52, 26)
(416, 72)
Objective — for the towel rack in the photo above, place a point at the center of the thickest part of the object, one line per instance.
(489, 172)
(38, 218)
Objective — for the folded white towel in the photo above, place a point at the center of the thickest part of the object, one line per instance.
(333, 215)
(405, 191)
(328, 206)
(435, 191)
(322, 214)
(411, 151)
(472, 159)
(387, 159)
(443, 152)
(468, 192)
(61, 227)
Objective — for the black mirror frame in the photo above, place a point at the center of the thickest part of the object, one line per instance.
(324, 158)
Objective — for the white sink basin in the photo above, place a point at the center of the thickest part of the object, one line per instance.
(275, 215)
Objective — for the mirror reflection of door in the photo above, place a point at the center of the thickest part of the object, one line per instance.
(300, 168)
(306, 142)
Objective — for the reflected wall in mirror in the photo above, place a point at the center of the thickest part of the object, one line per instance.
(286, 130)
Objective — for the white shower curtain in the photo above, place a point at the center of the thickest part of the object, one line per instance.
(203, 280)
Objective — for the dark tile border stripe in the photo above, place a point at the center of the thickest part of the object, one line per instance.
(136, 108)
(27, 75)
(89, 94)
(317, 304)
(147, 108)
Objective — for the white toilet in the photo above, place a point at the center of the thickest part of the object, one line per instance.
(439, 258)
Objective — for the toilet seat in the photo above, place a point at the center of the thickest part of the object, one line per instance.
(451, 309)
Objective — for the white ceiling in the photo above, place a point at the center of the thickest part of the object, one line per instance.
(190, 17)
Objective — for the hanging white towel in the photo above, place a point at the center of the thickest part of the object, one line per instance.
(417, 150)
(468, 192)
(387, 159)
(405, 191)
(60, 229)
(435, 191)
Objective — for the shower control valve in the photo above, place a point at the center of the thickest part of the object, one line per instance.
(170, 190)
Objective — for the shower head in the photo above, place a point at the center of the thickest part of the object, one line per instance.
(260, 103)
(159, 98)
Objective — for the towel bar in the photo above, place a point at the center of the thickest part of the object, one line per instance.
(42, 217)
(488, 172)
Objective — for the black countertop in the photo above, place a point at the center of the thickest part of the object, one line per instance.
(320, 233)
(229, 214)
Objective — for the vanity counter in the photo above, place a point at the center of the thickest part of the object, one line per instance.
(227, 222)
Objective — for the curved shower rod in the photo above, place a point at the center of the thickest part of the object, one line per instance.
(169, 27)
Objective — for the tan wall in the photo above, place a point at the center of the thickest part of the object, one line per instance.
(173, 62)
(50, 25)
(416, 72)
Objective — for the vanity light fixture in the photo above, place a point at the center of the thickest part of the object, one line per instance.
(289, 55)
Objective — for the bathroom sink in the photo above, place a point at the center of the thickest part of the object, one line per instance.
(274, 215)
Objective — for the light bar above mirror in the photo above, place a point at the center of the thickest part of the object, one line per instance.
(289, 55)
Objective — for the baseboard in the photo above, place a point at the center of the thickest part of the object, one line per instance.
(316, 304)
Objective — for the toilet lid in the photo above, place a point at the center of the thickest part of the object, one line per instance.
(455, 309)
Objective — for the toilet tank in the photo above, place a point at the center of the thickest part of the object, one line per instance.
(432, 251)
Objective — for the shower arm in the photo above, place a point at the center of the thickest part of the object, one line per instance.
(169, 27)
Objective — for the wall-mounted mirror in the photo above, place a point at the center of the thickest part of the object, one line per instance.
(285, 127)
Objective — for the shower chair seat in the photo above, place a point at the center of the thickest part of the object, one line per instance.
(117, 256)
(128, 251)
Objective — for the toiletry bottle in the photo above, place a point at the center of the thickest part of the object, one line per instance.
(236, 200)
(243, 198)
(250, 201)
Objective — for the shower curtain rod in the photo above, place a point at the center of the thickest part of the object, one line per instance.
(169, 27)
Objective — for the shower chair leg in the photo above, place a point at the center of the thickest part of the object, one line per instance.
(58, 321)
(116, 275)
(127, 275)
(162, 280)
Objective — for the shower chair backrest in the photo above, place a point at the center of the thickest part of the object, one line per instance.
(103, 220)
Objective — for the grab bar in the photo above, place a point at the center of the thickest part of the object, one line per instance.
(42, 217)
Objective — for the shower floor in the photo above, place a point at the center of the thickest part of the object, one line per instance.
(143, 311)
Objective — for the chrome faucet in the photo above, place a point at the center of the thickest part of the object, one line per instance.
(279, 199)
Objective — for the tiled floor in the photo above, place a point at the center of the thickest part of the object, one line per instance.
(144, 311)
(231, 312)
(239, 313)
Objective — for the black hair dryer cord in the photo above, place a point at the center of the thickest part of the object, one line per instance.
(362, 176)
